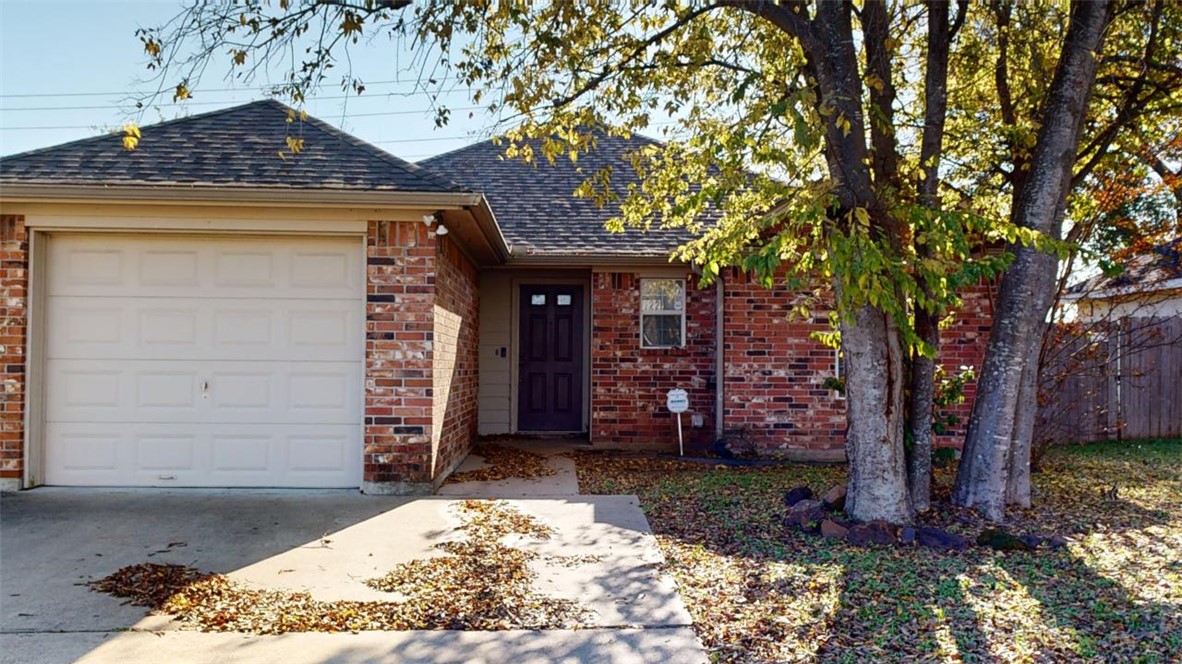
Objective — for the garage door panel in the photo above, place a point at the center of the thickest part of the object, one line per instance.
(316, 456)
(166, 451)
(101, 391)
(184, 267)
(182, 392)
(86, 451)
(161, 328)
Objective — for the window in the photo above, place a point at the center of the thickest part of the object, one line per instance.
(662, 313)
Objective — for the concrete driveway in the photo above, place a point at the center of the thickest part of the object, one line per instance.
(52, 541)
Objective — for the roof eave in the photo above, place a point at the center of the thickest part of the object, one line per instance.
(1125, 291)
(591, 258)
(254, 196)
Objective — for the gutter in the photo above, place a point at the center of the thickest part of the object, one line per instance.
(575, 260)
(719, 358)
(218, 196)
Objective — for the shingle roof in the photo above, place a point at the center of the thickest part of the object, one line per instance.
(1144, 273)
(233, 147)
(535, 204)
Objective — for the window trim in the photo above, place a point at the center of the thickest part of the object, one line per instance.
(662, 312)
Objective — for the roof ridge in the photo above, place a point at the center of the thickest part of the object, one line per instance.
(491, 141)
(393, 159)
(91, 139)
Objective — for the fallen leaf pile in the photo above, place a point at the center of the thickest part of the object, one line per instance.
(149, 584)
(609, 472)
(759, 592)
(483, 584)
(503, 463)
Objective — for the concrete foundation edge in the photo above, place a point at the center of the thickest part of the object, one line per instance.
(397, 488)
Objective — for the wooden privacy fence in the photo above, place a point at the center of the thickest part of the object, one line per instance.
(1111, 381)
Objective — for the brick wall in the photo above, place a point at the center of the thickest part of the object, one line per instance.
(629, 384)
(398, 364)
(774, 373)
(14, 281)
(455, 357)
(963, 344)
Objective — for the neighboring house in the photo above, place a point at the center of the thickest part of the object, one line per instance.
(204, 312)
(1148, 286)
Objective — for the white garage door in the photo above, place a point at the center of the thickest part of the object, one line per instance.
(188, 361)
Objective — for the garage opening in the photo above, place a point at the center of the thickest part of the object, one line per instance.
(204, 361)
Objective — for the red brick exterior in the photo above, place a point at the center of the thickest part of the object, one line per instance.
(774, 371)
(420, 355)
(455, 368)
(629, 384)
(14, 282)
(962, 344)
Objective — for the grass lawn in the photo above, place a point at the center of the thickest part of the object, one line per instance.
(760, 592)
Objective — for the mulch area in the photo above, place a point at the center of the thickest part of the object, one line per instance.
(762, 592)
(482, 584)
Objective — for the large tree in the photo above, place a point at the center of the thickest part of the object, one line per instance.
(813, 134)
(1057, 136)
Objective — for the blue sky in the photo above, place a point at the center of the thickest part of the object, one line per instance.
(67, 68)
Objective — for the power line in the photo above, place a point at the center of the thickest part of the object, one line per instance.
(181, 104)
(263, 88)
(347, 117)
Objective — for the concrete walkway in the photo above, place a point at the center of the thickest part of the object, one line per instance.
(564, 481)
(326, 543)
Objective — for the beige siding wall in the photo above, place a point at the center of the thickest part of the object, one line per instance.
(496, 315)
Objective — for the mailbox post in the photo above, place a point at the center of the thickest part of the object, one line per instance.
(678, 403)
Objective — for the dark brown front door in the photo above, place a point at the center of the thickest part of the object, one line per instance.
(550, 369)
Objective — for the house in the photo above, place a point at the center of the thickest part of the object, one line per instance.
(1148, 286)
(206, 311)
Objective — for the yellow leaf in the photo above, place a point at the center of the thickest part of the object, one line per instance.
(131, 136)
(182, 92)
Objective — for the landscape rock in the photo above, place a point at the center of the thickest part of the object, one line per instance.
(833, 529)
(907, 535)
(806, 515)
(1056, 542)
(1034, 541)
(935, 538)
(834, 498)
(874, 532)
(794, 496)
(998, 539)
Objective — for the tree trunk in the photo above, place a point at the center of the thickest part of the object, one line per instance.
(870, 338)
(922, 391)
(1027, 287)
(922, 378)
(1026, 408)
(874, 434)
(984, 466)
